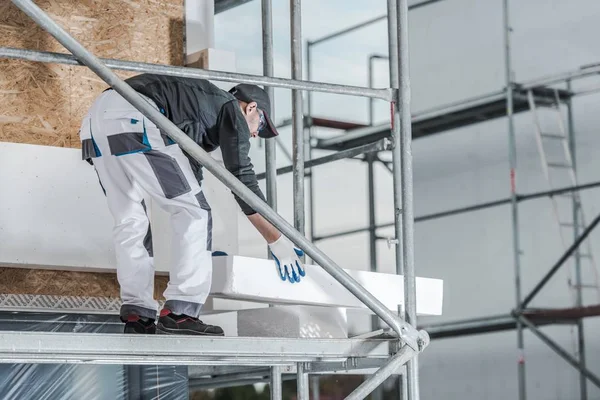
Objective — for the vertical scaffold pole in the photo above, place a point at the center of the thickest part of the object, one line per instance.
(512, 156)
(302, 382)
(576, 225)
(403, 170)
(275, 383)
(270, 145)
(371, 158)
(297, 116)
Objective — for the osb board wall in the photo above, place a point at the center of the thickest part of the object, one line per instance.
(66, 283)
(44, 103)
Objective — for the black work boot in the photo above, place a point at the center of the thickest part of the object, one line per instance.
(137, 324)
(181, 324)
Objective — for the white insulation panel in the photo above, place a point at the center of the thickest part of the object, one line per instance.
(255, 279)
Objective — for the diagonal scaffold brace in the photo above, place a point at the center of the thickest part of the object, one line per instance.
(393, 365)
(416, 340)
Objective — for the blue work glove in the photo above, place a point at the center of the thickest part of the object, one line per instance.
(287, 260)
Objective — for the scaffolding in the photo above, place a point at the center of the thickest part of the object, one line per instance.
(387, 350)
(514, 98)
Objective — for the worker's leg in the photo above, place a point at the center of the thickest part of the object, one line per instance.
(159, 167)
(173, 186)
(166, 175)
(135, 270)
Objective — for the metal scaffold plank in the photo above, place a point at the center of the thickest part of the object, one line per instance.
(82, 348)
(446, 117)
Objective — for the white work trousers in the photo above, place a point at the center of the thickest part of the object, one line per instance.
(132, 158)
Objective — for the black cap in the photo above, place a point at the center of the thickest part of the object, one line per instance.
(252, 93)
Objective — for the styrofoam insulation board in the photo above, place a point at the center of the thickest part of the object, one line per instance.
(254, 279)
(293, 322)
(53, 211)
(54, 214)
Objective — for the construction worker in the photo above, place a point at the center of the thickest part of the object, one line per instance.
(133, 158)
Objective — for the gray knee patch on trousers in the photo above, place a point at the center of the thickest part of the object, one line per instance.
(169, 174)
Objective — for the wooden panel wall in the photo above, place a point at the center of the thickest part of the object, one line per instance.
(66, 283)
(44, 103)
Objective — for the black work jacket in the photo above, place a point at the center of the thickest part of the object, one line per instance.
(208, 115)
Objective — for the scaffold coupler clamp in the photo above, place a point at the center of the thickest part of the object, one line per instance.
(424, 339)
(416, 340)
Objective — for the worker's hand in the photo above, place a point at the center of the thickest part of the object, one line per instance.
(288, 264)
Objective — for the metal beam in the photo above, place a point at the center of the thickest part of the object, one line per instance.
(373, 147)
(170, 70)
(409, 334)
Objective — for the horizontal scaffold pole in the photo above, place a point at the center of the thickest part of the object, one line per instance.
(187, 72)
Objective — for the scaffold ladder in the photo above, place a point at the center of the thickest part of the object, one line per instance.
(558, 166)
